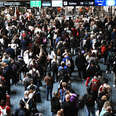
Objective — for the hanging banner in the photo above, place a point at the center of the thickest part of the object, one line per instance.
(57, 3)
(35, 3)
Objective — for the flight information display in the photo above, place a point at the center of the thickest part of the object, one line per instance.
(78, 2)
(105, 2)
(57, 3)
(46, 3)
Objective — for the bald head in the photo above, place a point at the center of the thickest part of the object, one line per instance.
(67, 97)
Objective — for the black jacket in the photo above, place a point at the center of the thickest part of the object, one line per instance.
(69, 109)
(55, 105)
(80, 62)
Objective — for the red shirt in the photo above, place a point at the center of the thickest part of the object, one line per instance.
(87, 81)
(103, 49)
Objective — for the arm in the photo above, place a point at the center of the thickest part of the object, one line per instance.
(9, 111)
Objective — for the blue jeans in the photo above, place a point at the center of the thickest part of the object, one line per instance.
(49, 92)
(91, 110)
(53, 114)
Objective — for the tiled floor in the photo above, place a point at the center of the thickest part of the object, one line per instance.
(45, 107)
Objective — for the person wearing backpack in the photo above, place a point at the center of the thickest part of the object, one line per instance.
(4, 109)
(80, 62)
(22, 111)
(30, 103)
(92, 69)
(62, 71)
(94, 86)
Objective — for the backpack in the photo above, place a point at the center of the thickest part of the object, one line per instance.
(3, 111)
(103, 49)
(26, 103)
(94, 85)
(54, 67)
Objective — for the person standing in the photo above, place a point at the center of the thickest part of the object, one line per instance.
(81, 65)
(68, 107)
(55, 104)
(90, 103)
(22, 111)
(49, 85)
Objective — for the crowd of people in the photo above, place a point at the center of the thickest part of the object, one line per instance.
(48, 48)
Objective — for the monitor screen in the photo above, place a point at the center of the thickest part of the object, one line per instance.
(35, 3)
(57, 3)
(105, 2)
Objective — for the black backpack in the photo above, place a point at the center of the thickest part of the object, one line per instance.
(54, 67)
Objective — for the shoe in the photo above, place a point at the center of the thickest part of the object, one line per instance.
(114, 85)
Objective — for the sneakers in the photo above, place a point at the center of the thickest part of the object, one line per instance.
(114, 85)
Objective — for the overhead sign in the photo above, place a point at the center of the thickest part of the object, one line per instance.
(12, 3)
(2, 4)
(78, 2)
(36, 3)
(57, 3)
(105, 2)
(46, 3)
(70, 2)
